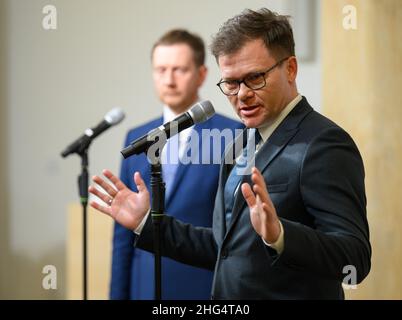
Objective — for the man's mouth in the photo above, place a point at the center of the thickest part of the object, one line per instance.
(249, 111)
(172, 93)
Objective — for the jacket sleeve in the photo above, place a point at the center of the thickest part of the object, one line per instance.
(181, 242)
(333, 192)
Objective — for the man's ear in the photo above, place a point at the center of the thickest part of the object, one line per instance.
(203, 71)
(292, 69)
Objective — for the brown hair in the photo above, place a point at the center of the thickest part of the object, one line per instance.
(272, 28)
(176, 36)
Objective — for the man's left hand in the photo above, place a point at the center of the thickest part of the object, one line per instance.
(262, 211)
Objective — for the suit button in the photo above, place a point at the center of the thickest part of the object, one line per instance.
(224, 253)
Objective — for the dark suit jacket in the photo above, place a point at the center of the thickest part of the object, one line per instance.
(315, 177)
(194, 187)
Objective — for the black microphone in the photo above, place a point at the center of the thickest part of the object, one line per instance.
(112, 118)
(200, 112)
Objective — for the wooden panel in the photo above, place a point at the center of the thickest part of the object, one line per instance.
(362, 81)
(100, 229)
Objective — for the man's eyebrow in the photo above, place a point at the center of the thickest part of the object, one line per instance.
(230, 79)
(245, 76)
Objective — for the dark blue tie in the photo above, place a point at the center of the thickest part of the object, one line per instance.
(234, 180)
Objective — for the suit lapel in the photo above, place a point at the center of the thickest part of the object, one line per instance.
(178, 177)
(219, 223)
(268, 152)
(233, 151)
(271, 149)
(231, 154)
(182, 169)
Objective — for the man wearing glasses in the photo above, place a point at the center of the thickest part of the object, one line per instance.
(290, 228)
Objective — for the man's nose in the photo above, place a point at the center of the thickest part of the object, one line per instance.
(244, 92)
(168, 78)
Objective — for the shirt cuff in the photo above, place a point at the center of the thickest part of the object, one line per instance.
(138, 230)
(278, 244)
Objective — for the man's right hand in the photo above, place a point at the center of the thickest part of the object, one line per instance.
(128, 208)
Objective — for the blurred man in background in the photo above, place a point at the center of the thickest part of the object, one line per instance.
(178, 73)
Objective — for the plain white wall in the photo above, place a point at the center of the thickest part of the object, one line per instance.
(57, 83)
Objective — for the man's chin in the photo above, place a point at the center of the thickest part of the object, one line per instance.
(176, 107)
(251, 122)
(172, 100)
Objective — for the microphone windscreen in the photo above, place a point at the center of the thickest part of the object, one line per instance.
(202, 111)
(114, 116)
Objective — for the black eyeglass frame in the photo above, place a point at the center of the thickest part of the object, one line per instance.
(244, 80)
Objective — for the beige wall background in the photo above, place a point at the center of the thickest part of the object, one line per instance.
(4, 204)
(362, 81)
(54, 84)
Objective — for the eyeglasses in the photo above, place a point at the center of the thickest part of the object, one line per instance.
(253, 81)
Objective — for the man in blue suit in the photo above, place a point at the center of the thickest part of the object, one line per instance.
(178, 73)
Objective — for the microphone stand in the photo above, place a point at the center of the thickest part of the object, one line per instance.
(80, 147)
(139, 146)
(157, 214)
(82, 151)
(83, 192)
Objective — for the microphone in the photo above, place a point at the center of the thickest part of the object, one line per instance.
(200, 112)
(112, 118)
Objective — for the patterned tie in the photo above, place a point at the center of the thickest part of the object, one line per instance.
(234, 179)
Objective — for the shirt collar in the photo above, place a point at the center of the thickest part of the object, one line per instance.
(266, 131)
(168, 114)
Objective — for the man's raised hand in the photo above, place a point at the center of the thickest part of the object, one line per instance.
(126, 207)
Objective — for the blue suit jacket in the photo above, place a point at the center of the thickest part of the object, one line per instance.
(192, 201)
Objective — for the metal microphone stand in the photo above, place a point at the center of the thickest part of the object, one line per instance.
(157, 213)
(82, 151)
(157, 210)
(145, 144)
(83, 192)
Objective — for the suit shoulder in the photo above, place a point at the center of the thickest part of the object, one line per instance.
(316, 125)
(221, 122)
(139, 131)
